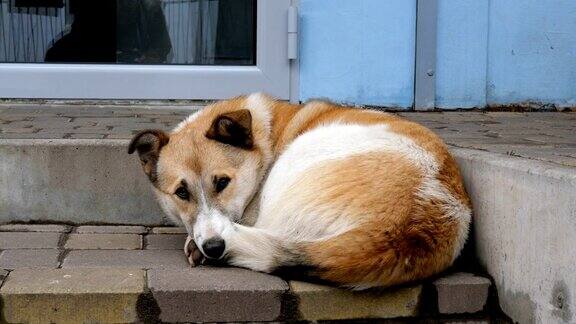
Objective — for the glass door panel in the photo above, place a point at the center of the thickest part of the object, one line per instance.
(143, 49)
(191, 32)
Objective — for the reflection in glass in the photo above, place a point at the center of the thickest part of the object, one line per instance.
(196, 32)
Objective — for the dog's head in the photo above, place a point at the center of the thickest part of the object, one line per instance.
(208, 169)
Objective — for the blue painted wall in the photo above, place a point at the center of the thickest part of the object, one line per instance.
(532, 52)
(462, 54)
(490, 52)
(358, 51)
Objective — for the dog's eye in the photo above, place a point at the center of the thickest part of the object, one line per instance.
(220, 183)
(182, 193)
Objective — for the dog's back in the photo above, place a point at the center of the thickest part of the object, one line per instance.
(368, 198)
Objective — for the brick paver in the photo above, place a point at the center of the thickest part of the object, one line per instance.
(35, 228)
(216, 295)
(318, 302)
(144, 259)
(72, 296)
(168, 230)
(461, 293)
(28, 240)
(78, 121)
(543, 136)
(158, 285)
(104, 242)
(106, 229)
(165, 241)
(29, 258)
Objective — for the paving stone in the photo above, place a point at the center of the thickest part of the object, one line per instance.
(169, 230)
(206, 294)
(461, 293)
(144, 259)
(84, 136)
(104, 242)
(35, 228)
(72, 295)
(90, 229)
(29, 258)
(463, 129)
(25, 240)
(119, 136)
(318, 302)
(165, 241)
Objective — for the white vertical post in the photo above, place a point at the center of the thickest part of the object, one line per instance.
(293, 48)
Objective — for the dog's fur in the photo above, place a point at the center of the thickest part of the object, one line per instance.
(359, 198)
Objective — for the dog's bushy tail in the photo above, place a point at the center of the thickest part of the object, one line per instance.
(360, 258)
(369, 256)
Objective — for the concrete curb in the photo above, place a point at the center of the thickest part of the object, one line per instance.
(74, 181)
(524, 224)
(533, 167)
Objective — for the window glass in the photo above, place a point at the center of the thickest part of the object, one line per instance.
(192, 32)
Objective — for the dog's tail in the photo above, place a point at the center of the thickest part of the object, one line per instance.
(363, 257)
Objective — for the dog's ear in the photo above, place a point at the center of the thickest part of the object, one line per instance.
(233, 128)
(148, 143)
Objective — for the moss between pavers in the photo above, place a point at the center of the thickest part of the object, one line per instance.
(72, 295)
(317, 302)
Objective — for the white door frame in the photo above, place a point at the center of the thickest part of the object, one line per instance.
(115, 81)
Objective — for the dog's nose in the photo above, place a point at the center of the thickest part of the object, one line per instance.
(214, 247)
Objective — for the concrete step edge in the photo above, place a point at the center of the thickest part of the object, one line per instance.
(523, 215)
(529, 166)
(127, 295)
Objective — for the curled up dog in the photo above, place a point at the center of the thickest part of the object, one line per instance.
(358, 198)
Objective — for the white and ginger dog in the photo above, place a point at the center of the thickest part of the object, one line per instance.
(357, 198)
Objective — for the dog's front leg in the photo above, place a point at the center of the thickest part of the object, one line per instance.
(192, 252)
(251, 248)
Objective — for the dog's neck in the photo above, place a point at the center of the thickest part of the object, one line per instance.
(286, 122)
(283, 114)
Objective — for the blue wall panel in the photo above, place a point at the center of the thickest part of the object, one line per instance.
(461, 53)
(494, 52)
(358, 51)
(532, 52)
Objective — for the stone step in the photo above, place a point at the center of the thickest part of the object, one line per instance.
(102, 279)
(69, 163)
(59, 173)
(78, 181)
(519, 168)
(524, 220)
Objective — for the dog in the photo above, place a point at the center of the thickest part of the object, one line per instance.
(354, 197)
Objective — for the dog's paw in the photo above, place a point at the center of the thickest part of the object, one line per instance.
(192, 252)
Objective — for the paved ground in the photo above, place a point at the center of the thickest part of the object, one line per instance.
(58, 273)
(544, 136)
(91, 122)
